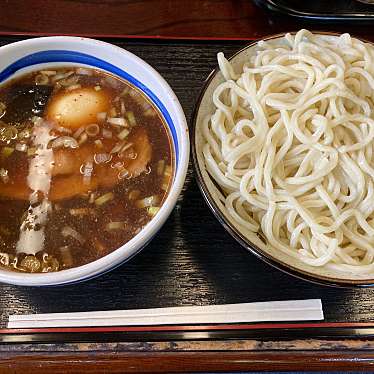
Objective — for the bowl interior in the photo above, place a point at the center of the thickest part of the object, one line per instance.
(41, 53)
(254, 243)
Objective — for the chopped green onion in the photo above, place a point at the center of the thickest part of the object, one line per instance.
(87, 169)
(165, 185)
(60, 76)
(2, 109)
(115, 226)
(24, 134)
(117, 121)
(7, 151)
(93, 129)
(21, 147)
(99, 143)
(110, 81)
(63, 130)
(148, 201)
(73, 87)
(31, 151)
(133, 156)
(123, 134)
(69, 231)
(41, 79)
(92, 197)
(167, 171)
(8, 133)
(134, 93)
(80, 211)
(124, 173)
(117, 147)
(107, 134)
(152, 210)
(4, 175)
(117, 165)
(35, 120)
(112, 112)
(123, 107)
(84, 71)
(126, 146)
(166, 178)
(104, 198)
(146, 105)
(125, 91)
(78, 133)
(64, 141)
(69, 82)
(130, 116)
(150, 112)
(83, 138)
(160, 167)
(102, 158)
(49, 72)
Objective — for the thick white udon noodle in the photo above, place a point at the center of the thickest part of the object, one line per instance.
(291, 145)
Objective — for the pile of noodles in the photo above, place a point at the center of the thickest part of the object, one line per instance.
(291, 146)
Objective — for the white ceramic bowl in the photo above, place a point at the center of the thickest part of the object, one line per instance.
(211, 192)
(25, 56)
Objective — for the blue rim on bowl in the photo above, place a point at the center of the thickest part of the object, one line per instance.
(51, 56)
(24, 56)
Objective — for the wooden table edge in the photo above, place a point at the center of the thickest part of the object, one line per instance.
(126, 36)
(182, 362)
(191, 356)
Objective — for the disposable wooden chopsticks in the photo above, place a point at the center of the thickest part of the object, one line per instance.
(291, 310)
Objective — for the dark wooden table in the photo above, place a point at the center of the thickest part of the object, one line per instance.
(220, 19)
(192, 19)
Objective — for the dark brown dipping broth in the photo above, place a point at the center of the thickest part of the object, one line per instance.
(103, 213)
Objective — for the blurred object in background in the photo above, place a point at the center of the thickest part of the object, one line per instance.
(353, 11)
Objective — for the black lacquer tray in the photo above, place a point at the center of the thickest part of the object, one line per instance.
(336, 11)
(192, 260)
